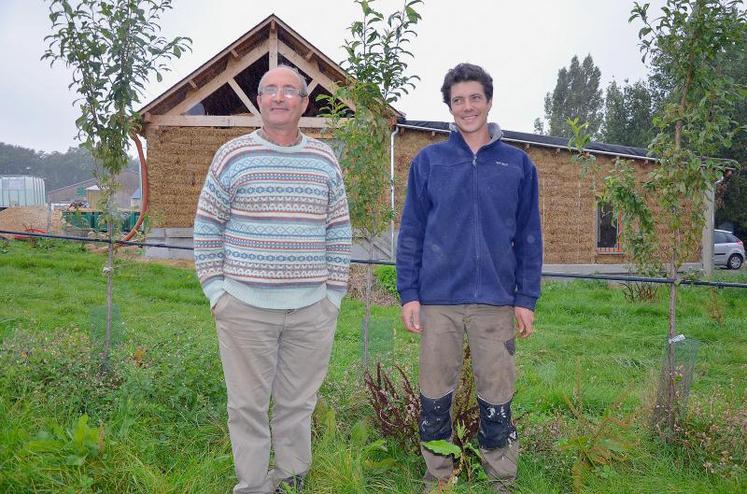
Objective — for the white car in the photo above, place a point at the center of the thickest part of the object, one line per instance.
(728, 250)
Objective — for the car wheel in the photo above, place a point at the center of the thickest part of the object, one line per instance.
(734, 262)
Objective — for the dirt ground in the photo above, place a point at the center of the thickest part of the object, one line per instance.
(357, 287)
(21, 219)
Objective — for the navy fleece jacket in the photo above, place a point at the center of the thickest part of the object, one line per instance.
(470, 230)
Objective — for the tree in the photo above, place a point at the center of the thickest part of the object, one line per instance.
(732, 64)
(731, 194)
(687, 44)
(539, 127)
(735, 67)
(732, 207)
(56, 168)
(576, 95)
(376, 66)
(112, 47)
(628, 115)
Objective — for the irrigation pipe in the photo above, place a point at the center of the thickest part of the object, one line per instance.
(143, 188)
(606, 277)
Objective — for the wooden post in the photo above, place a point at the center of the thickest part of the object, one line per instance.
(273, 45)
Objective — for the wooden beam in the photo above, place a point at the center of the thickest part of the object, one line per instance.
(243, 97)
(192, 84)
(311, 69)
(226, 121)
(319, 55)
(147, 117)
(213, 85)
(309, 55)
(313, 84)
(273, 45)
(235, 54)
(252, 34)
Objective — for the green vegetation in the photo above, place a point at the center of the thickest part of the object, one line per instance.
(57, 169)
(156, 423)
(124, 38)
(386, 277)
(376, 52)
(576, 95)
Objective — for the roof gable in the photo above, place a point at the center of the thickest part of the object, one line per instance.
(222, 92)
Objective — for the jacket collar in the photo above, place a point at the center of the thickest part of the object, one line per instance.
(494, 130)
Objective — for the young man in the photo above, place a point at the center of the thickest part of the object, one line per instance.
(469, 261)
(272, 250)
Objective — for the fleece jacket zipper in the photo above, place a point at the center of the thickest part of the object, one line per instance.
(477, 223)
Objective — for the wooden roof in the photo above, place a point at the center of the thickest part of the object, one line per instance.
(221, 92)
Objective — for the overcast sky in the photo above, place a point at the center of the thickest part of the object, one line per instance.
(522, 45)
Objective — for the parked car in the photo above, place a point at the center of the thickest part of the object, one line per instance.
(728, 250)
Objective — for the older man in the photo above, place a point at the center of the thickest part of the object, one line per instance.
(469, 261)
(272, 249)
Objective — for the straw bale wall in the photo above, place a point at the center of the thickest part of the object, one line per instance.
(567, 203)
(568, 209)
(178, 159)
(407, 144)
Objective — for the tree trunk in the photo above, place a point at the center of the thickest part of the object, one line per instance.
(109, 275)
(368, 295)
(671, 389)
(579, 243)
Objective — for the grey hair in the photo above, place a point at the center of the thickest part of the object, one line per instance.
(304, 86)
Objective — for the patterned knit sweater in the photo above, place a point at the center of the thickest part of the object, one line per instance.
(272, 225)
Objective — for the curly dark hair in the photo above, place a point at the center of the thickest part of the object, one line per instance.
(465, 72)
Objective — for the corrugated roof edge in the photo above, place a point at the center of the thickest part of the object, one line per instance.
(539, 140)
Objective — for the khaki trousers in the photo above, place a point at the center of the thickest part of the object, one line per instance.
(490, 333)
(278, 353)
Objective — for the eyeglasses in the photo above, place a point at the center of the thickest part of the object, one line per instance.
(286, 91)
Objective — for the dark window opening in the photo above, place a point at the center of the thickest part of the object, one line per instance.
(248, 79)
(284, 61)
(223, 102)
(608, 229)
(316, 107)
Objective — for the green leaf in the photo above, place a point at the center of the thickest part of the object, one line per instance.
(359, 434)
(442, 447)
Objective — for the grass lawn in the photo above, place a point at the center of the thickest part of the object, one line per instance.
(157, 422)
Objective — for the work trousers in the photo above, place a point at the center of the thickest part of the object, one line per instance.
(490, 333)
(279, 353)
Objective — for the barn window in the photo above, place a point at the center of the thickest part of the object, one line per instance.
(608, 229)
